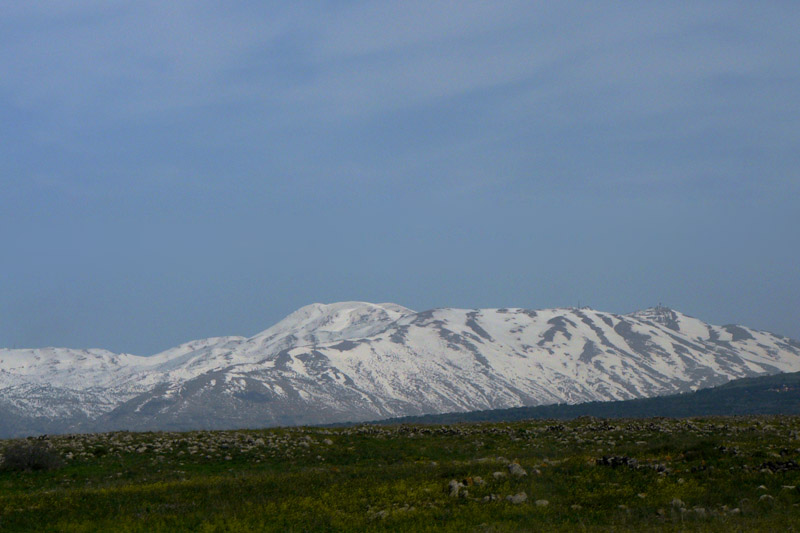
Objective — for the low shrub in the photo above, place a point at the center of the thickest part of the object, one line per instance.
(27, 455)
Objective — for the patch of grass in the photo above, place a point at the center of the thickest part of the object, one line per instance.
(710, 474)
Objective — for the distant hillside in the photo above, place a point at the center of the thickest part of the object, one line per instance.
(356, 361)
(767, 395)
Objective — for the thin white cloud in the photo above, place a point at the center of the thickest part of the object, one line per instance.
(631, 73)
(135, 57)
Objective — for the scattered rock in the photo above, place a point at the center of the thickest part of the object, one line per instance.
(678, 503)
(516, 470)
(499, 475)
(779, 466)
(454, 487)
(617, 460)
(517, 498)
(541, 503)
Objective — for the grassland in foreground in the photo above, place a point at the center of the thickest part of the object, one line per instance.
(701, 474)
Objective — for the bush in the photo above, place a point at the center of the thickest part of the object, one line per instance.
(24, 456)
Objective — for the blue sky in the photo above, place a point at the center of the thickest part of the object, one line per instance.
(178, 170)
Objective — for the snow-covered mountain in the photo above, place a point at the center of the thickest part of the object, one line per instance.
(359, 361)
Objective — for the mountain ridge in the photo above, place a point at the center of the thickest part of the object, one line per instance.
(362, 361)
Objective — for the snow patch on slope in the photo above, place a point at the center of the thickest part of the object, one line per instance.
(357, 360)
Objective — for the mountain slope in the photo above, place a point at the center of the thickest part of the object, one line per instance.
(767, 395)
(362, 361)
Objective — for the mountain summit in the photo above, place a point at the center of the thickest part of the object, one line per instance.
(362, 361)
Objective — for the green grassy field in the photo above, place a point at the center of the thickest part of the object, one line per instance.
(709, 474)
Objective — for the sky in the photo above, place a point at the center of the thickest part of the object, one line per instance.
(187, 169)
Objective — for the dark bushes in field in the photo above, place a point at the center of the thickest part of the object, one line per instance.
(27, 455)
